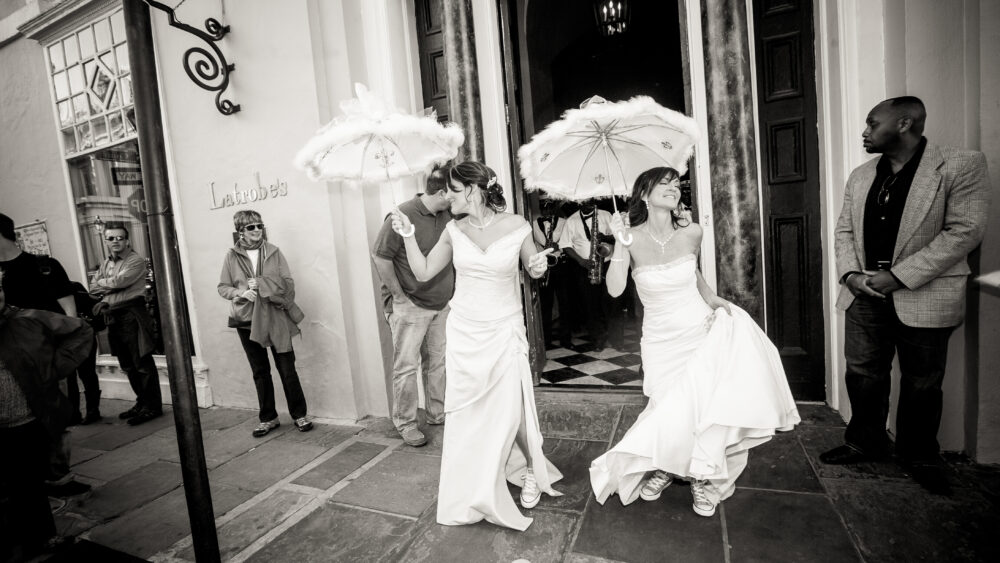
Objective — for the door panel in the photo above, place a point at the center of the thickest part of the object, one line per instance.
(791, 193)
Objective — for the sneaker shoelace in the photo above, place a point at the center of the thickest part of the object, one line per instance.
(530, 487)
(700, 498)
(657, 482)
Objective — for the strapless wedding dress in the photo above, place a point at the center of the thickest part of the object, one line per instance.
(488, 388)
(715, 384)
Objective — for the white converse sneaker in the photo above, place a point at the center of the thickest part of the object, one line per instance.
(653, 486)
(530, 495)
(702, 505)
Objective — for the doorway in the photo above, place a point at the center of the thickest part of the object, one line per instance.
(555, 57)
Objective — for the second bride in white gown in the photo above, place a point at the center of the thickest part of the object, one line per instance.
(491, 433)
(715, 382)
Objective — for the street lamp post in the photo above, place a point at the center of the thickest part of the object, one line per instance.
(163, 250)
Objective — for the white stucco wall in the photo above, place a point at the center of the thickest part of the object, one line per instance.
(294, 62)
(32, 181)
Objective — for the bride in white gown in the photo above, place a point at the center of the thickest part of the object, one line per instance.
(491, 432)
(715, 382)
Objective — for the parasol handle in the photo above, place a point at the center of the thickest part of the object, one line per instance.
(614, 202)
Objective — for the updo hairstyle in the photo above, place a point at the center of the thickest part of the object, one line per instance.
(476, 173)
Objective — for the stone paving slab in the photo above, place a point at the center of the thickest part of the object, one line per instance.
(383, 428)
(628, 417)
(119, 433)
(893, 521)
(544, 541)
(780, 464)
(215, 419)
(126, 459)
(786, 527)
(129, 491)
(325, 436)
(664, 530)
(559, 420)
(402, 483)
(816, 440)
(159, 524)
(573, 458)
(238, 533)
(80, 455)
(345, 462)
(334, 532)
(265, 465)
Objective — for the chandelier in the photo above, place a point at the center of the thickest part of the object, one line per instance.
(612, 16)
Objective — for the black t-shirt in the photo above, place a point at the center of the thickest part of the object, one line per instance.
(35, 282)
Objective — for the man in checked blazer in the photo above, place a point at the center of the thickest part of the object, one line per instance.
(909, 221)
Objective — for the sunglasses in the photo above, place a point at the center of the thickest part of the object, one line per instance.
(884, 192)
(253, 227)
(117, 238)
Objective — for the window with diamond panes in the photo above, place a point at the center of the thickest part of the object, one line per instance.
(93, 86)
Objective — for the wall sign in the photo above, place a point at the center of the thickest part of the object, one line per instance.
(253, 193)
(33, 238)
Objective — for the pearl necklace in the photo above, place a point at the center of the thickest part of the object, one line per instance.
(484, 225)
(662, 243)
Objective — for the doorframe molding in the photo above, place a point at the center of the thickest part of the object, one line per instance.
(702, 171)
(764, 240)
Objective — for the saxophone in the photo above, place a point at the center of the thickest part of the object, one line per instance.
(599, 250)
(549, 243)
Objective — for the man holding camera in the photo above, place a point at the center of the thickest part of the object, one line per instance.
(591, 251)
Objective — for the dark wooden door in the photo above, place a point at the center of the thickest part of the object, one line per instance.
(433, 67)
(786, 92)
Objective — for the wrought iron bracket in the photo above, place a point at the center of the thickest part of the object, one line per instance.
(205, 70)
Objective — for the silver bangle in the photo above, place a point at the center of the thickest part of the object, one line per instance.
(617, 259)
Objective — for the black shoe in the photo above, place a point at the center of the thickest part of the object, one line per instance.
(843, 455)
(92, 417)
(75, 419)
(144, 415)
(931, 477)
(68, 489)
(130, 413)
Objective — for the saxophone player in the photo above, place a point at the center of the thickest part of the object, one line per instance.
(547, 229)
(589, 253)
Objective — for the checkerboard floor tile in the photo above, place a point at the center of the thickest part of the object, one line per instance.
(583, 367)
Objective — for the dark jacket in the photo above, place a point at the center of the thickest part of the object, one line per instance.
(40, 348)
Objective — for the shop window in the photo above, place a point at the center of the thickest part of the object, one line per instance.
(92, 92)
(92, 85)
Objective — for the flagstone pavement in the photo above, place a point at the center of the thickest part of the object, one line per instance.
(357, 493)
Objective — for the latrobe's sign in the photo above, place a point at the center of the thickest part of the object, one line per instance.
(250, 194)
(33, 238)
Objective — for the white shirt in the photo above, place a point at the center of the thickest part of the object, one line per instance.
(254, 255)
(575, 236)
(556, 232)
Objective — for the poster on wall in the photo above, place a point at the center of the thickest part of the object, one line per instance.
(33, 238)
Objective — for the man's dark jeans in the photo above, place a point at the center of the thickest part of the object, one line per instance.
(873, 335)
(123, 334)
(261, 368)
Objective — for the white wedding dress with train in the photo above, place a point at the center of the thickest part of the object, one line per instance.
(715, 384)
(489, 386)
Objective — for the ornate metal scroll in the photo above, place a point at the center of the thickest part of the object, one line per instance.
(207, 71)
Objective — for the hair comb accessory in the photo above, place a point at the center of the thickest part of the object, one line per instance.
(492, 182)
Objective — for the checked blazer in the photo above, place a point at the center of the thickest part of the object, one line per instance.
(944, 219)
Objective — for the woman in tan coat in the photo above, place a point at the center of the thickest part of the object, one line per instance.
(256, 280)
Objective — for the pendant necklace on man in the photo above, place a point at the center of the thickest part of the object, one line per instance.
(662, 243)
(484, 225)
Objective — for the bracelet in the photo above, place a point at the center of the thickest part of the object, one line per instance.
(413, 229)
(617, 259)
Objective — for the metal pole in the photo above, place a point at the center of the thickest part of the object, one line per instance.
(169, 281)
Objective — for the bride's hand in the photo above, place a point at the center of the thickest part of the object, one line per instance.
(401, 223)
(619, 226)
(538, 263)
(716, 302)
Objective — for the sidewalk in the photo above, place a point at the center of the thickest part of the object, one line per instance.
(357, 493)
